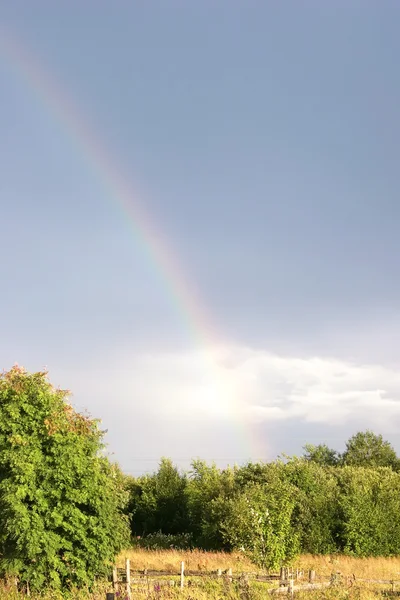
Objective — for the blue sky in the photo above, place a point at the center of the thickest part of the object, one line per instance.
(263, 140)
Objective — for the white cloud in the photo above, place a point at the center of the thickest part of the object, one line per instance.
(257, 385)
(231, 403)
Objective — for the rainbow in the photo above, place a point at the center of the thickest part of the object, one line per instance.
(155, 247)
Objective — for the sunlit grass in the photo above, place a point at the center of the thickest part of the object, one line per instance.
(211, 588)
(366, 568)
(195, 560)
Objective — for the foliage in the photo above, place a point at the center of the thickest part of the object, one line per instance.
(366, 449)
(258, 521)
(60, 498)
(158, 502)
(322, 455)
(333, 507)
(315, 515)
(370, 505)
(207, 492)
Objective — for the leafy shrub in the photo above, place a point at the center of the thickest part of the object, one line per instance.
(258, 521)
(60, 498)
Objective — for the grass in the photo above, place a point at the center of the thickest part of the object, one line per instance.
(212, 589)
(207, 588)
(364, 568)
(195, 560)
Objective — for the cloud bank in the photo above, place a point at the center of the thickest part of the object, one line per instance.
(232, 403)
(259, 386)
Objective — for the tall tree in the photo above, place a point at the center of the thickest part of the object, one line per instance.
(207, 490)
(322, 455)
(315, 514)
(258, 519)
(158, 502)
(367, 449)
(60, 497)
(369, 505)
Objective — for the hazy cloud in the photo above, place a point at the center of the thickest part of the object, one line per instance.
(257, 385)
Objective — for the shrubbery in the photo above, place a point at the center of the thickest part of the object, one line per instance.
(60, 498)
(321, 503)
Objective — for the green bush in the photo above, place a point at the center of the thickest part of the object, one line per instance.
(258, 521)
(60, 498)
(370, 511)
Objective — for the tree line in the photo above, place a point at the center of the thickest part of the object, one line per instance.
(320, 503)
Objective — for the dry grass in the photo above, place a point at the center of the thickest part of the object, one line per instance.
(367, 568)
(208, 589)
(220, 589)
(195, 560)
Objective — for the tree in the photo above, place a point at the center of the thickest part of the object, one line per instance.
(207, 491)
(60, 497)
(258, 521)
(158, 502)
(369, 504)
(366, 449)
(322, 455)
(315, 515)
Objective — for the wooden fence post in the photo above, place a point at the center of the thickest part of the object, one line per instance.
(128, 578)
(182, 574)
(311, 576)
(290, 588)
(115, 579)
(219, 573)
(229, 574)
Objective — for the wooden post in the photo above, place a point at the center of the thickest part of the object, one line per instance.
(311, 576)
(115, 579)
(229, 574)
(182, 574)
(128, 578)
(282, 576)
(290, 588)
(219, 573)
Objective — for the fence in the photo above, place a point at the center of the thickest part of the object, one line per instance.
(288, 580)
(123, 579)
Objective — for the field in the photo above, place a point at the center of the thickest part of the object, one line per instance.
(212, 588)
(372, 568)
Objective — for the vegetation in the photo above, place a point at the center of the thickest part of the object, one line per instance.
(60, 499)
(206, 589)
(320, 503)
(209, 589)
